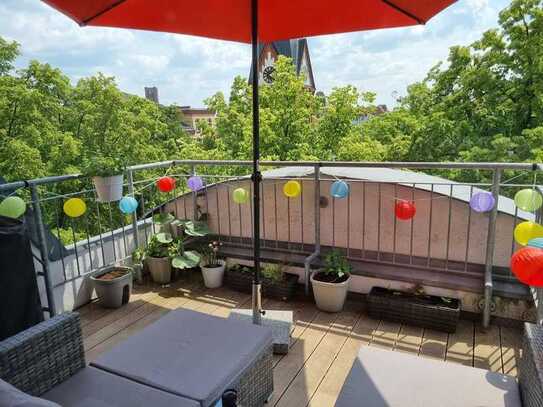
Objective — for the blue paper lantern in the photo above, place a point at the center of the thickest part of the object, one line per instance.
(482, 202)
(536, 242)
(339, 189)
(128, 205)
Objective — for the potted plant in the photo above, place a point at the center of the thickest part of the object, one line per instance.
(212, 266)
(113, 285)
(137, 264)
(331, 284)
(107, 175)
(164, 252)
(414, 307)
(164, 220)
(158, 255)
(276, 282)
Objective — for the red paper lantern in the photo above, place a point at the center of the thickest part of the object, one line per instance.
(527, 265)
(404, 210)
(165, 184)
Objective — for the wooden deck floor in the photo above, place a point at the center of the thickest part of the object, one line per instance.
(323, 345)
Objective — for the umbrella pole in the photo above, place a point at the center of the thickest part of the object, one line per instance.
(256, 176)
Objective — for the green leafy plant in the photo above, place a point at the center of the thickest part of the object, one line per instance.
(241, 268)
(273, 271)
(163, 218)
(138, 255)
(103, 166)
(210, 254)
(164, 245)
(336, 265)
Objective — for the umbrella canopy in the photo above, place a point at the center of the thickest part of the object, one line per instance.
(231, 19)
(251, 21)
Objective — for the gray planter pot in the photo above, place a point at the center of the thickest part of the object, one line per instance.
(115, 292)
(160, 269)
(330, 297)
(109, 189)
(213, 276)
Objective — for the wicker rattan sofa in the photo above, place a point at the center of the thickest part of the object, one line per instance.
(185, 359)
(380, 378)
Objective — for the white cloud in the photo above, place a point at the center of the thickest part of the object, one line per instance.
(189, 69)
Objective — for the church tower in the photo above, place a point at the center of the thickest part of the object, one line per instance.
(297, 50)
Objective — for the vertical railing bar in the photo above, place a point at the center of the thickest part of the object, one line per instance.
(124, 236)
(288, 223)
(174, 198)
(275, 211)
(263, 213)
(206, 197)
(394, 226)
(515, 220)
(430, 225)
(251, 205)
(142, 206)
(75, 248)
(349, 222)
(112, 234)
(217, 185)
(240, 224)
(490, 246)
(466, 257)
(411, 232)
(60, 242)
(333, 222)
(135, 231)
(379, 222)
(88, 244)
(194, 197)
(44, 253)
(363, 219)
(229, 213)
(302, 215)
(100, 228)
(447, 250)
(183, 192)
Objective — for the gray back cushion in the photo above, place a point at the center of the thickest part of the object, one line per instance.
(13, 397)
(189, 354)
(380, 378)
(92, 387)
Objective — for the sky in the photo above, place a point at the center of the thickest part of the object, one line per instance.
(187, 69)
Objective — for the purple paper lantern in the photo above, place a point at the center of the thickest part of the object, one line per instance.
(482, 202)
(195, 183)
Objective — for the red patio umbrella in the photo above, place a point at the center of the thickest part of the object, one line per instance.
(251, 21)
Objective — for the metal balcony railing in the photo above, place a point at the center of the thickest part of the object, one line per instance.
(445, 237)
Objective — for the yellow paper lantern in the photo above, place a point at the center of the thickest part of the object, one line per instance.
(292, 189)
(526, 231)
(528, 200)
(74, 207)
(240, 196)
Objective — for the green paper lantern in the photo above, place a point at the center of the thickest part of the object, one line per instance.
(240, 196)
(528, 200)
(12, 207)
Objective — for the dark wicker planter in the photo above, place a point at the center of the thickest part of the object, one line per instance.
(283, 290)
(426, 311)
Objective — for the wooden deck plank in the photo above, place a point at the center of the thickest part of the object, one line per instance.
(460, 346)
(434, 344)
(409, 339)
(487, 352)
(304, 385)
(385, 335)
(288, 367)
(511, 345)
(328, 391)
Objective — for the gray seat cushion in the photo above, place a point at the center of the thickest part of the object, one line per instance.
(189, 354)
(92, 387)
(10, 396)
(380, 378)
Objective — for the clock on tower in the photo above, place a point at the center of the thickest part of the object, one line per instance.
(296, 50)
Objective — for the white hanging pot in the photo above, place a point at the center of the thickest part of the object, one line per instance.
(109, 189)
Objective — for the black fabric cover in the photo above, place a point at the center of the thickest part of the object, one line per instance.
(20, 306)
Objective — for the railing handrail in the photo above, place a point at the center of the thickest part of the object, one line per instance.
(342, 164)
